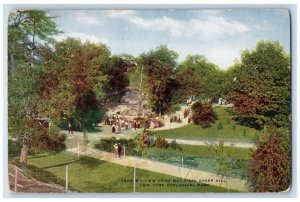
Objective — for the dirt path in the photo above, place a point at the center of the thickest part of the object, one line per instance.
(205, 177)
(206, 143)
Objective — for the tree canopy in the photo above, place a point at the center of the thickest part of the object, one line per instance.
(262, 88)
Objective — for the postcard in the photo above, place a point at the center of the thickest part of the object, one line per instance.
(149, 100)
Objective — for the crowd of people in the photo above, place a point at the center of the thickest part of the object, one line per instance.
(118, 124)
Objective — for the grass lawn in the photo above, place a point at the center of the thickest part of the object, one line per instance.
(205, 151)
(202, 158)
(229, 130)
(91, 175)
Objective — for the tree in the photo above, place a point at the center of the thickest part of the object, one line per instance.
(28, 33)
(262, 88)
(197, 76)
(117, 71)
(270, 166)
(73, 85)
(158, 68)
(203, 114)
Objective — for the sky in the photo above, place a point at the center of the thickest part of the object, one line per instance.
(220, 35)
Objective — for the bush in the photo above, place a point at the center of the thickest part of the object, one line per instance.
(14, 148)
(107, 144)
(175, 108)
(174, 145)
(270, 167)
(161, 142)
(203, 114)
(44, 139)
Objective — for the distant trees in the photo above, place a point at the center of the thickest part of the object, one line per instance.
(261, 93)
(197, 76)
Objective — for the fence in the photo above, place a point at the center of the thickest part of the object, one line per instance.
(65, 172)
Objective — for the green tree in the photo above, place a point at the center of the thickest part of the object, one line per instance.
(262, 88)
(29, 32)
(197, 76)
(158, 67)
(117, 70)
(74, 85)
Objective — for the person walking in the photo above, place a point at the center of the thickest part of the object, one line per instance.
(113, 128)
(119, 149)
(116, 151)
(70, 128)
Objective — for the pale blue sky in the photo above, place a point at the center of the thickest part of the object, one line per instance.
(220, 35)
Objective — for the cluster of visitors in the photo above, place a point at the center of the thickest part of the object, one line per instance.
(175, 119)
(118, 124)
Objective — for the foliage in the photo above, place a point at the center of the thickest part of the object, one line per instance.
(73, 85)
(224, 158)
(158, 67)
(220, 125)
(270, 167)
(44, 138)
(174, 145)
(262, 88)
(117, 71)
(197, 76)
(29, 31)
(29, 34)
(107, 144)
(161, 142)
(203, 114)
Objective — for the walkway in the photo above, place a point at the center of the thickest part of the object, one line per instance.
(145, 164)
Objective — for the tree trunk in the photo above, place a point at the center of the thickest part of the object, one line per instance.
(24, 152)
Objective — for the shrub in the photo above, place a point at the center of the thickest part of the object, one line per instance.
(220, 125)
(174, 145)
(161, 142)
(270, 167)
(203, 114)
(107, 144)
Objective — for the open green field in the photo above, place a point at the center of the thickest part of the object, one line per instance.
(91, 175)
(229, 130)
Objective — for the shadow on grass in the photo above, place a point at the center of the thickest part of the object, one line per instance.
(41, 155)
(43, 175)
(89, 162)
(59, 165)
